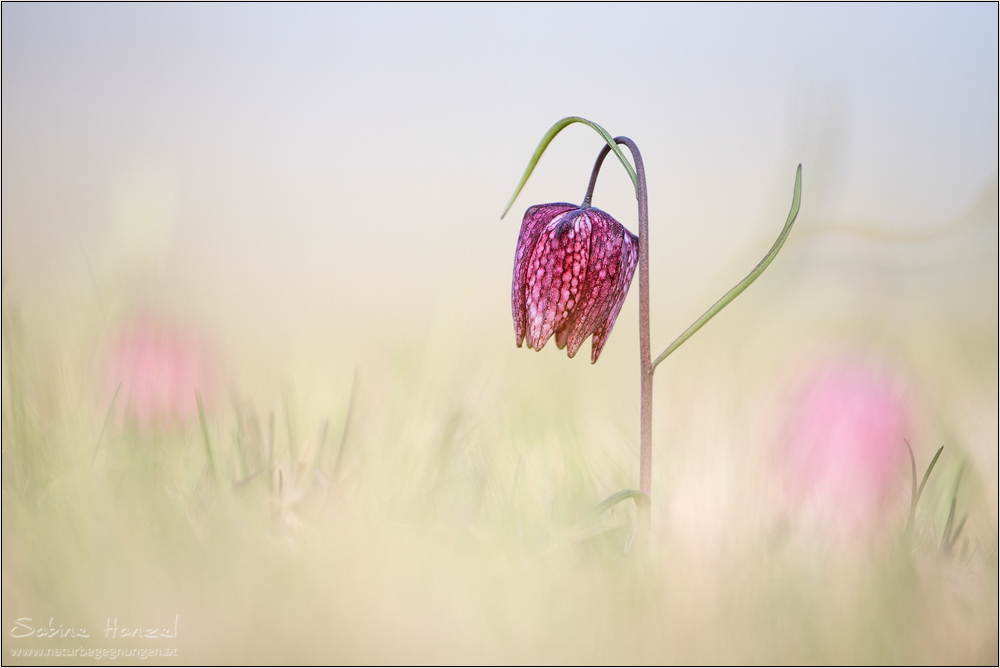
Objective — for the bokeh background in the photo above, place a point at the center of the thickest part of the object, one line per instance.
(292, 212)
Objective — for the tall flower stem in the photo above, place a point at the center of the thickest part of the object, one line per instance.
(646, 367)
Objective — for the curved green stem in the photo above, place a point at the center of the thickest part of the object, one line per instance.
(745, 283)
(547, 139)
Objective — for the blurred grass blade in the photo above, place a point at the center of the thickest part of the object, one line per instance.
(927, 474)
(270, 447)
(321, 445)
(745, 283)
(946, 534)
(97, 448)
(204, 431)
(958, 532)
(913, 487)
(550, 135)
(611, 501)
(347, 424)
(915, 490)
(580, 529)
(950, 536)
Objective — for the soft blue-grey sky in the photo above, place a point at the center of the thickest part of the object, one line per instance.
(280, 150)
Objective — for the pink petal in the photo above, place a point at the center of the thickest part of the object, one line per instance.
(628, 259)
(556, 271)
(596, 296)
(535, 219)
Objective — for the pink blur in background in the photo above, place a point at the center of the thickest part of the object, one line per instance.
(844, 449)
(161, 369)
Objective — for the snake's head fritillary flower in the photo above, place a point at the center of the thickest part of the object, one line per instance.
(572, 271)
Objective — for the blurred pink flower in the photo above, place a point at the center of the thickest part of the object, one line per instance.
(845, 449)
(160, 370)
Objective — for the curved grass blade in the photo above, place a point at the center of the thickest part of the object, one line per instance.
(927, 474)
(915, 491)
(913, 478)
(605, 505)
(745, 283)
(550, 135)
(204, 431)
(580, 530)
(950, 537)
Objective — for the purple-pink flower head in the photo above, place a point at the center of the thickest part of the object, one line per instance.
(572, 270)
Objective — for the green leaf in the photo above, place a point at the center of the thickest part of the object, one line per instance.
(550, 135)
(745, 283)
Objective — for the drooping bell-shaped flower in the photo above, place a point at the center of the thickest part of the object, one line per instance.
(572, 271)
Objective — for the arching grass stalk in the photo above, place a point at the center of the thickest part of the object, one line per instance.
(572, 270)
(916, 491)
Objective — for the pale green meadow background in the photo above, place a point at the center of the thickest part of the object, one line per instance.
(302, 204)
